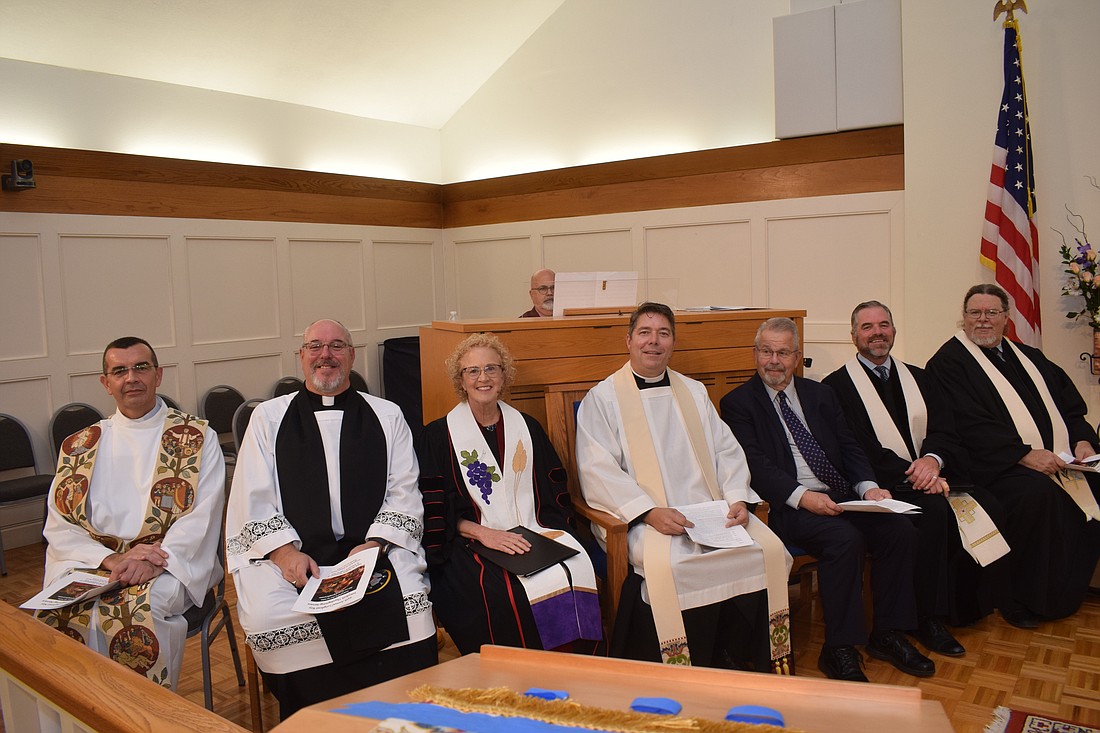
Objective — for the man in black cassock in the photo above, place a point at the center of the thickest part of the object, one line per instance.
(1016, 411)
(910, 408)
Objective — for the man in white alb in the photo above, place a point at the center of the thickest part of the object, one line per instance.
(137, 496)
(649, 440)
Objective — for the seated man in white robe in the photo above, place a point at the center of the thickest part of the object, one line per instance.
(649, 440)
(322, 474)
(138, 497)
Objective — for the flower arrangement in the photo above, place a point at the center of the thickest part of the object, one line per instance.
(1081, 266)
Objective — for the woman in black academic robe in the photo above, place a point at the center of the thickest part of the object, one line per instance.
(475, 600)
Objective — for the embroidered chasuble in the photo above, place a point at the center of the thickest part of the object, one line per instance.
(619, 428)
(980, 536)
(1072, 482)
(126, 617)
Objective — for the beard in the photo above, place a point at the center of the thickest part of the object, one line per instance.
(774, 378)
(326, 384)
(986, 340)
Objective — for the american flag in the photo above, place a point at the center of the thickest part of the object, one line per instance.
(1010, 243)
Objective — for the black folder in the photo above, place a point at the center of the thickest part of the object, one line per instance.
(544, 552)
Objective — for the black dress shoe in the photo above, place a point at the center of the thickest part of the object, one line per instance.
(1019, 616)
(842, 663)
(893, 647)
(936, 638)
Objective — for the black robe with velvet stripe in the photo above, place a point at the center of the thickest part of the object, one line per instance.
(476, 601)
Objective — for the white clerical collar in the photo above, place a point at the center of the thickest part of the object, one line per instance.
(889, 363)
(328, 400)
(651, 380)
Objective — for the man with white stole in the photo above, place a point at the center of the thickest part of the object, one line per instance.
(137, 497)
(648, 440)
(322, 474)
(1021, 418)
(905, 426)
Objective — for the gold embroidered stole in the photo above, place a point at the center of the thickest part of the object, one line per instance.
(980, 536)
(125, 615)
(657, 547)
(1072, 482)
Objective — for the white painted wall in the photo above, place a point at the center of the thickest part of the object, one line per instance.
(619, 79)
(952, 58)
(67, 108)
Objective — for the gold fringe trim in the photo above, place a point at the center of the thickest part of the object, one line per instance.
(506, 702)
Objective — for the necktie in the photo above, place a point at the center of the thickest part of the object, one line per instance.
(810, 449)
(883, 373)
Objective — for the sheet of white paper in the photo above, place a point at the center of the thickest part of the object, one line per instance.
(1087, 464)
(338, 586)
(72, 587)
(886, 506)
(594, 289)
(710, 527)
(708, 308)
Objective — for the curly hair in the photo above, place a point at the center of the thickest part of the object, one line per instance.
(473, 341)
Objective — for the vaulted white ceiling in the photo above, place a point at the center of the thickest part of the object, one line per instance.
(410, 61)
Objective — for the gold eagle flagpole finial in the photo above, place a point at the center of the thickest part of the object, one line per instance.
(1008, 7)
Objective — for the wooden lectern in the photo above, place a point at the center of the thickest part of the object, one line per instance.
(559, 359)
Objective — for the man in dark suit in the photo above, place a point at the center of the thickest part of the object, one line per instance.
(804, 461)
(905, 427)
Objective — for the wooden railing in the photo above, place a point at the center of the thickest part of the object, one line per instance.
(50, 682)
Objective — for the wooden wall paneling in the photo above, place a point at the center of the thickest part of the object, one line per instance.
(795, 181)
(90, 182)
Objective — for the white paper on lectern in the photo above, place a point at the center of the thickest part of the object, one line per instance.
(594, 290)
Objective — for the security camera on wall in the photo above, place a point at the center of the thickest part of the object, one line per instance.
(22, 176)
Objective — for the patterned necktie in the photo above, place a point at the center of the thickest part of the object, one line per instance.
(810, 449)
(883, 373)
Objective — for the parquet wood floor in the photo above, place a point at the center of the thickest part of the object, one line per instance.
(1054, 670)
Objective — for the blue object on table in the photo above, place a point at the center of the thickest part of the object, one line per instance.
(755, 714)
(547, 694)
(655, 705)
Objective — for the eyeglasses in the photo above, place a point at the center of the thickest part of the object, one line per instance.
(989, 313)
(492, 371)
(139, 370)
(336, 347)
(783, 354)
(543, 289)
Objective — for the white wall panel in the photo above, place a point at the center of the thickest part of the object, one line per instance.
(327, 282)
(492, 277)
(826, 264)
(114, 286)
(86, 387)
(404, 283)
(234, 291)
(23, 326)
(868, 64)
(712, 263)
(590, 251)
(805, 73)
